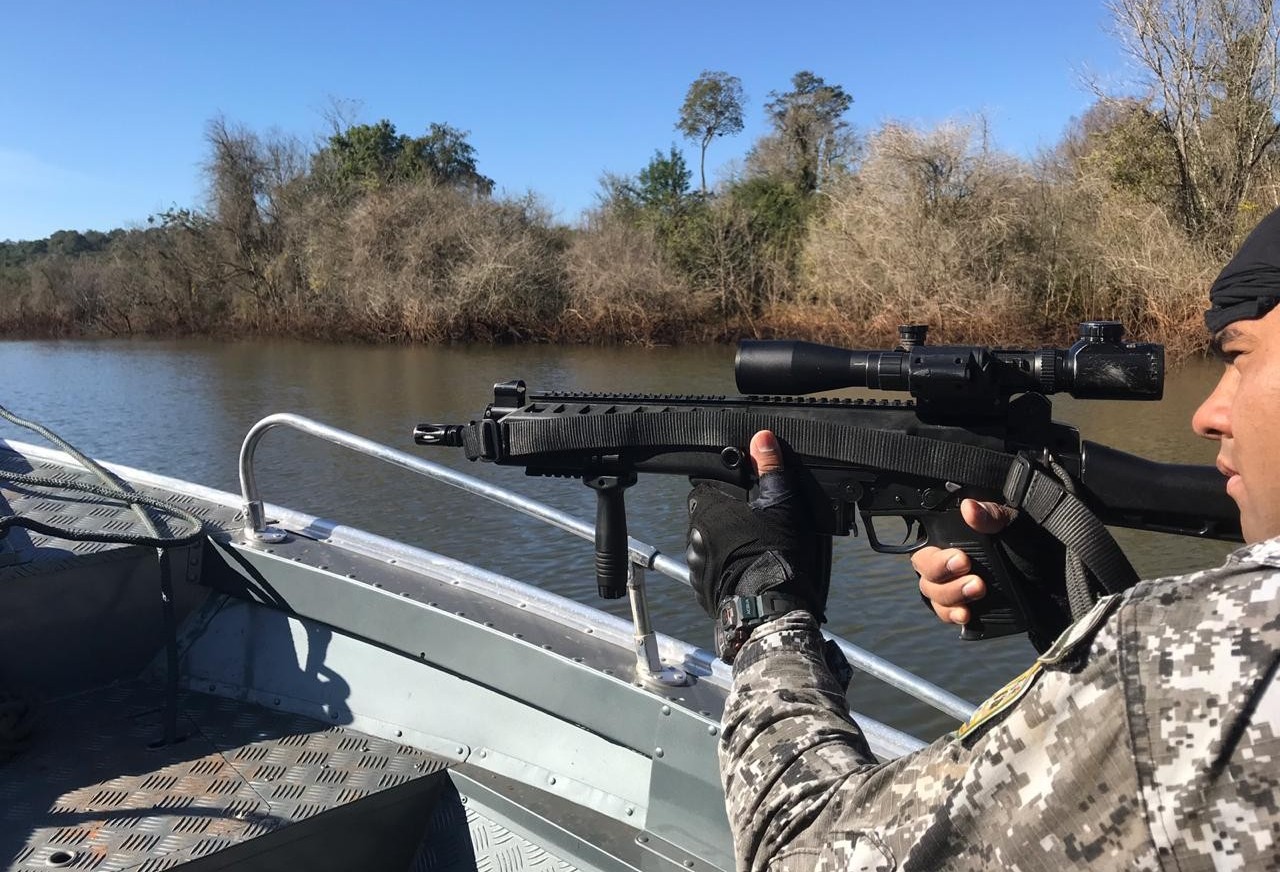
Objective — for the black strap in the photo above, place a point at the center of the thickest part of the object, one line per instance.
(890, 450)
(1049, 503)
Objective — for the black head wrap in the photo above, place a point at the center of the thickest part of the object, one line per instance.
(1249, 285)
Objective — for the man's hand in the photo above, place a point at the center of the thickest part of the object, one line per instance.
(945, 577)
(746, 549)
(1038, 560)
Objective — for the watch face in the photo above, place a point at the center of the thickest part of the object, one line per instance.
(725, 631)
(721, 642)
(739, 615)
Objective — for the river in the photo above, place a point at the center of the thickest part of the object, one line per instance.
(182, 407)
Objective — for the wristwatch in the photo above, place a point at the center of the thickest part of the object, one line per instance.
(739, 615)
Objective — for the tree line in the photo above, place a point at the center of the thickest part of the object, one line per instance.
(821, 230)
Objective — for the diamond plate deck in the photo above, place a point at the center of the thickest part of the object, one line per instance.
(95, 793)
(30, 552)
(461, 839)
(498, 849)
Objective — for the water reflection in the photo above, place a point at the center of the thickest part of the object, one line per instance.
(183, 407)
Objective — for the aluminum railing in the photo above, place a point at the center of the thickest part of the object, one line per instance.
(643, 556)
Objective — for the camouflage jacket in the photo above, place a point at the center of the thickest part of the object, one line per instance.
(1147, 737)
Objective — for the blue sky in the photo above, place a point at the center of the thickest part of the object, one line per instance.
(104, 107)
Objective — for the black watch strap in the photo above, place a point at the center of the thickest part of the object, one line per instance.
(739, 615)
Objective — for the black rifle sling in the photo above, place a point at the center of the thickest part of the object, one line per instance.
(1069, 521)
(1023, 485)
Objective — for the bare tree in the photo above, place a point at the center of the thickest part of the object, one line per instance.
(1214, 85)
(254, 189)
(235, 171)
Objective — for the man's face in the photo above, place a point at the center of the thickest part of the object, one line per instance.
(1243, 416)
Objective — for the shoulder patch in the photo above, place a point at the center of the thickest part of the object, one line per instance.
(1082, 630)
(1000, 701)
(1004, 698)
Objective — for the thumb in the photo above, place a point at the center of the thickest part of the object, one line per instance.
(989, 518)
(766, 454)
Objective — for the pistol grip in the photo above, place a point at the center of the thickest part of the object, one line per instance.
(1002, 611)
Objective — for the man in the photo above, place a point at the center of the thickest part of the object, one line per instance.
(1146, 737)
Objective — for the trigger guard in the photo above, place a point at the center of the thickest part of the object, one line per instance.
(906, 546)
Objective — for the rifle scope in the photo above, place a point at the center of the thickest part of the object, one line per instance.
(1099, 366)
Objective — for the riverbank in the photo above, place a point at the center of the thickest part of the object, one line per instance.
(929, 227)
(1184, 339)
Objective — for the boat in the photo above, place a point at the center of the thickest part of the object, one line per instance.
(196, 679)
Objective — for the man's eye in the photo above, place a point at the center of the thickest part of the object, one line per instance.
(1229, 344)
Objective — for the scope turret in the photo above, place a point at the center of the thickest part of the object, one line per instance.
(1099, 366)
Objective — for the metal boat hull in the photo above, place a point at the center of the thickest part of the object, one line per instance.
(342, 701)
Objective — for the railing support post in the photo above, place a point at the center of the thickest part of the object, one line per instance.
(648, 661)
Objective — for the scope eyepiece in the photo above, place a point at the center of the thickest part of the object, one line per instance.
(1101, 367)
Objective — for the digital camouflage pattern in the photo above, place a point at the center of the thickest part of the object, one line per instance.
(1149, 740)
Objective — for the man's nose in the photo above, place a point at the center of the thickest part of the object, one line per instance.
(1213, 419)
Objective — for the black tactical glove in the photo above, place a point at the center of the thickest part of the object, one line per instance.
(767, 545)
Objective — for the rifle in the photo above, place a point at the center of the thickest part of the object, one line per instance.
(980, 426)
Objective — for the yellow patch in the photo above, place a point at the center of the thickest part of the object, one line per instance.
(1079, 632)
(1001, 699)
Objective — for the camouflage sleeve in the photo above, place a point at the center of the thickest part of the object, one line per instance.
(1146, 737)
(787, 738)
(804, 791)
(1201, 660)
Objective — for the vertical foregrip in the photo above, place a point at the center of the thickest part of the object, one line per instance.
(612, 552)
